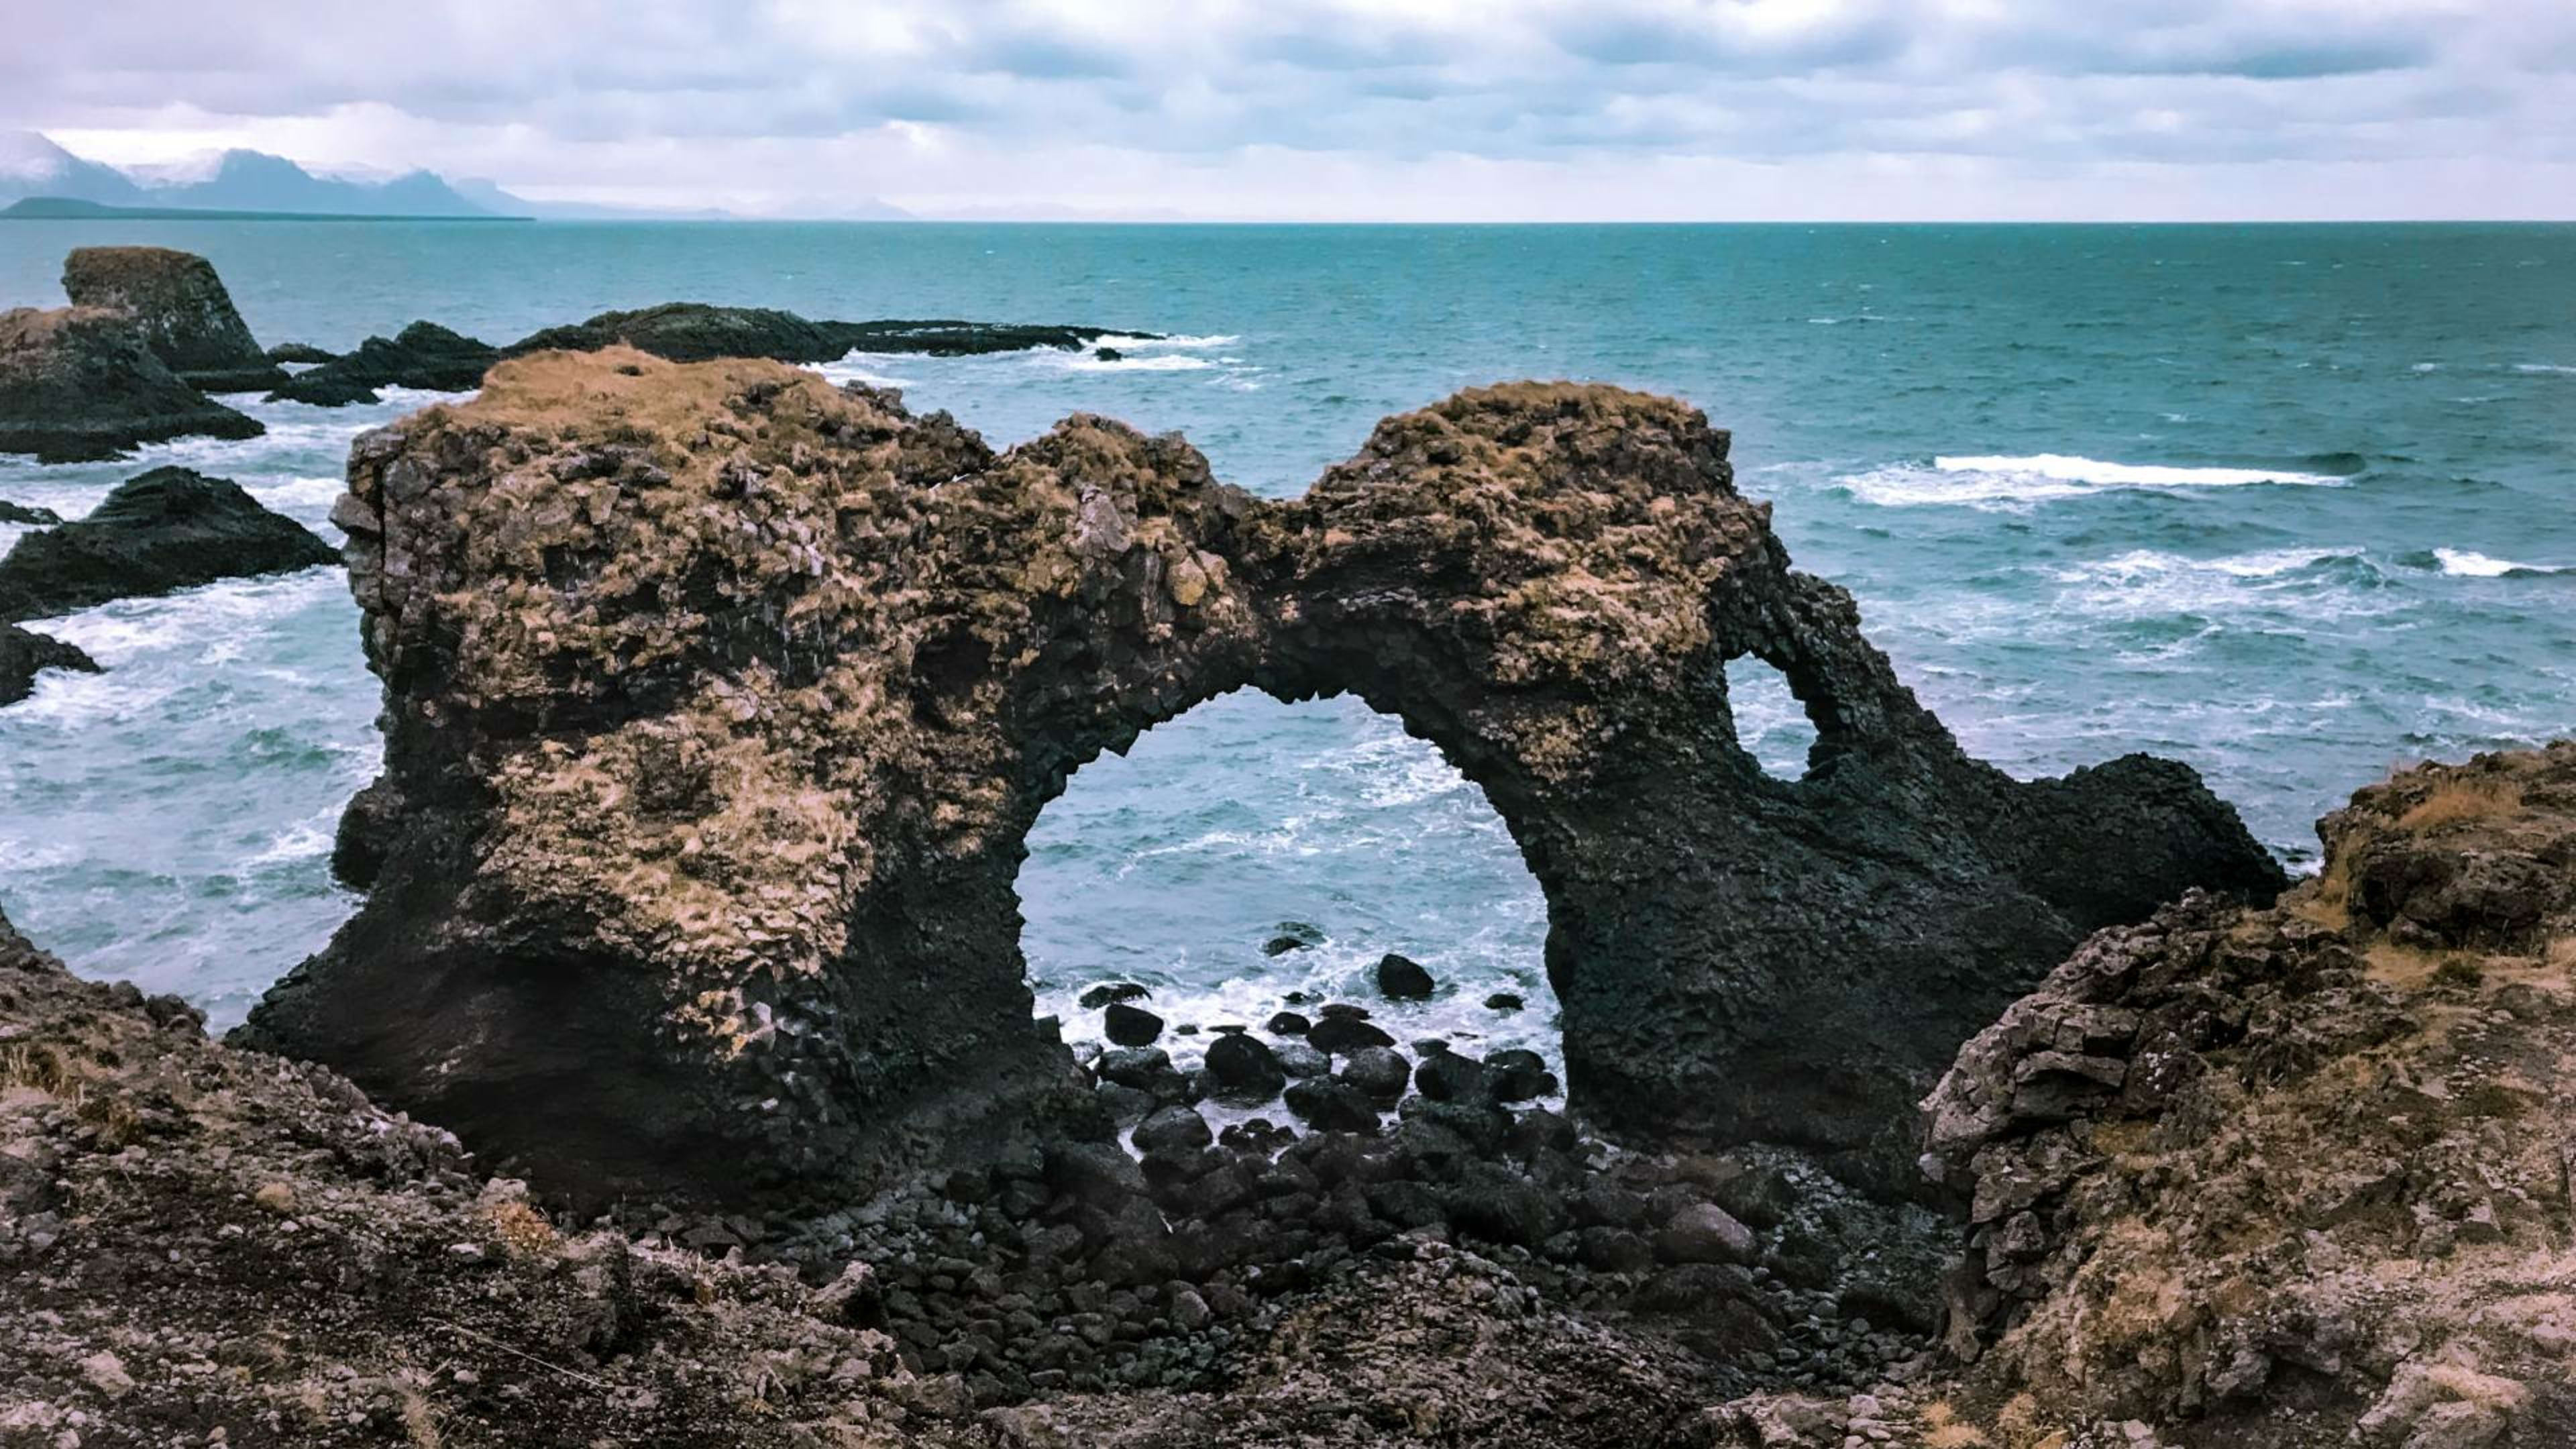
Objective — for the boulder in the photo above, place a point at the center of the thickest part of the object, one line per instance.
(907, 642)
(1517, 1075)
(1381, 1072)
(1445, 1076)
(1245, 1069)
(1173, 1132)
(33, 517)
(78, 384)
(22, 654)
(1704, 1233)
(1130, 1026)
(1298, 1059)
(1329, 1104)
(1503, 1001)
(1342, 1035)
(1401, 978)
(423, 355)
(1288, 1023)
(180, 307)
(1113, 991)
(159, 532)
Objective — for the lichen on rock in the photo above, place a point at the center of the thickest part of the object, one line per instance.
(720, 702)
(2284, 1176)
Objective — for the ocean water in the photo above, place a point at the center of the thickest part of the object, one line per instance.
(2290, 503)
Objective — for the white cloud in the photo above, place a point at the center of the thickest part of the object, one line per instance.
(1360, 108)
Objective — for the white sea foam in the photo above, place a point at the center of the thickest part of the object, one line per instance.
(2546, 367)
(2466, 563)
(1160, 362)
(1996, 481)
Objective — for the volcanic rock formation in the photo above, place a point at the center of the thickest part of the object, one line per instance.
(23, 654)
(185, 315)
(2300, 1175)
(719, 703)
(158, 533)
(698, 332)
(423, 355)
(79, 383)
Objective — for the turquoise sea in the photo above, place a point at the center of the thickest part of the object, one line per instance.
(2292, 503)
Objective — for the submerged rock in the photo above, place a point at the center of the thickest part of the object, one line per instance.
(423, 355)
(23, 654)
(157, 533)
(180, 307)
(1114, 991)
(78, 384)
(721, 701)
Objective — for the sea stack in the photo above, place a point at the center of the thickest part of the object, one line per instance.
(180, 306)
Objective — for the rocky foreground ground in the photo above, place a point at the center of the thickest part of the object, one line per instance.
(2284, 1176)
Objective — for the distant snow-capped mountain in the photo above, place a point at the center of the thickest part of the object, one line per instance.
(31, 165)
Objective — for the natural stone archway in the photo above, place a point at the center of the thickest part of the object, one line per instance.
(719, 703)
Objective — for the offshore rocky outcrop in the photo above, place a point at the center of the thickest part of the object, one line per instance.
(157, 533)
(79, 384)
(24, 654)
(428, 356)
(719, 702)
(180, 306)
(2298, 1175)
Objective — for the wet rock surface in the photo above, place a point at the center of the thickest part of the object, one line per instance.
(423, 355)
(78, 384)
(157, 533)
(23, 654)
(2295, 1176)
(698, 332)
(720, 702)
(181, 309)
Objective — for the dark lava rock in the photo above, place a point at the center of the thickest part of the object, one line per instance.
(1445, 1076)
(1704, 1233)
(1245, 1069)
(18, 513)
(1109, 354)
(301, 354)
(1342, 1010)
(1493, 1204)
(422, 355)
(1098, 1173)
(1517, 1075)
(1113, 991)
(1757, 1193)
(1288, 1023)
(180, 306)
(1139, 1067)
(1293, 936)
(1342, 1035)
(1298, 1059)
(1381, 1072)
(700, 332)
(1173, 1132)
(1615, 1250)
(1329, 1104)
(1503, 1001)
(22, 654)
(1401, 978)
(159, 532)
(1124, 1103)
(1130, 1026)
(78, 384)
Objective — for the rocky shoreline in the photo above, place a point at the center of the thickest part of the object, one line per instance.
(1902, 1102)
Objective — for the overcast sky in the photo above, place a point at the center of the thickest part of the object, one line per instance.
(1358, 109)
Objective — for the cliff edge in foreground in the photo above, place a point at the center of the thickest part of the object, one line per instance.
(2297, 1176)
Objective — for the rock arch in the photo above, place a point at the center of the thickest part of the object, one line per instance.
(719, 703)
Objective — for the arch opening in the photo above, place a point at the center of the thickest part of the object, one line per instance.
(1252, 857)
(1771, 724)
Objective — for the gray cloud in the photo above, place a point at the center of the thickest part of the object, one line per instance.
(781, 100)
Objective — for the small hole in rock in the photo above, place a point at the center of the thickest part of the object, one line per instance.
(1769, 721)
